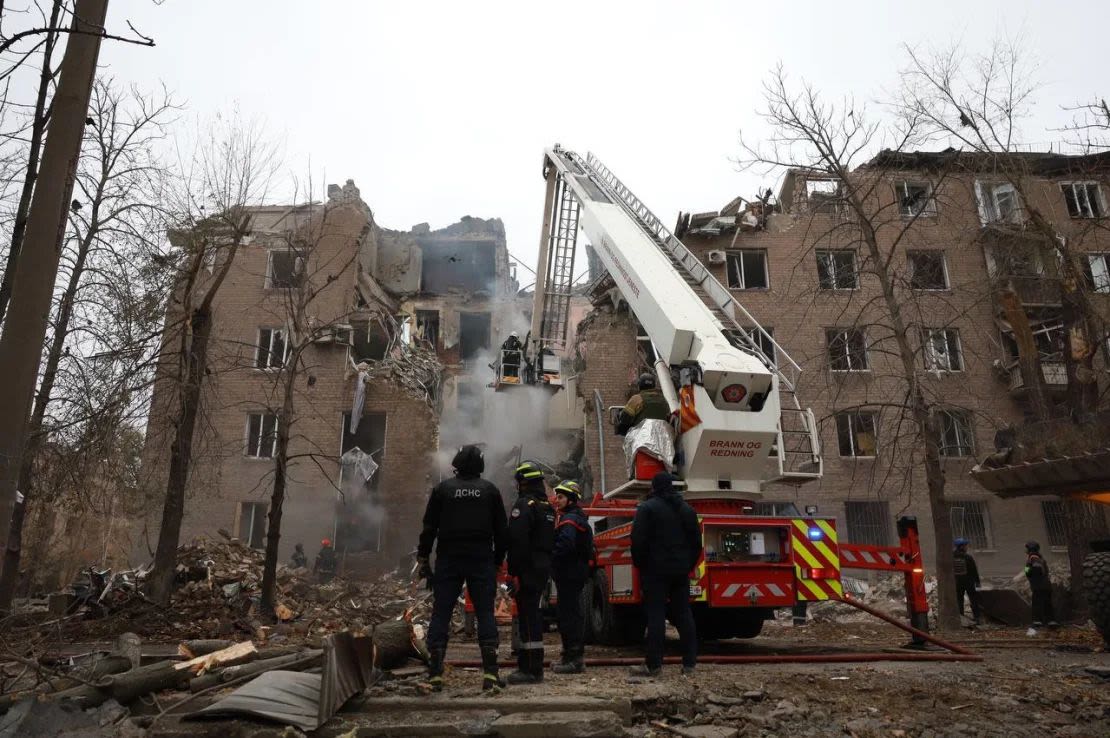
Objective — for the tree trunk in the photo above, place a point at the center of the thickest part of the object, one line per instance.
(9, 577)
(38, 126)
(1079, 349)
(181, 455)
(277, 497)
(1029, 360)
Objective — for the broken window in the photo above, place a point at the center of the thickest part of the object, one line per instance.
(369, 340)
(272, 349)
(1014, 260)
(252, 524)
(747, 270)
(836, 270)
(427, 327)
(261, 435)
(471, 404)
(1098, 272)
(360, 516)
(927, 270)
(1084, 199)
(915, 198)
(855, 432)
(764, 340)
(825, 196)
(847, 350)
(468, 266)
(285, 270)
(955, 433)
(474, 331)
(942, 350)
(971, 520)
(1055, 523)
(868, 523)
(998, 203)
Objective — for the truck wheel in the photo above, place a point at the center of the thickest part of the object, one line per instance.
(469, 626)
(1096, 583)
(602, 617)
(747, 625)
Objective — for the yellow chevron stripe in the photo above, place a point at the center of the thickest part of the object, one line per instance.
(800, 548)
(836, 587)
(818, 593)
(802, 528)
(828, 553)
(830, 532)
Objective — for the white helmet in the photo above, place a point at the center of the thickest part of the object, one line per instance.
(514, 334)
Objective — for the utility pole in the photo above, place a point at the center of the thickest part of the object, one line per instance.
(37, 268)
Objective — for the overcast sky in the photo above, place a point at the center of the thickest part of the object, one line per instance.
(443, 109)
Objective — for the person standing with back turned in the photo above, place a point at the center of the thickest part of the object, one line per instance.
(531, 540)
(666, 545)
(465, 515)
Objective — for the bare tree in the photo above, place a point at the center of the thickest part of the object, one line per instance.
(118, 184)
(230, 173)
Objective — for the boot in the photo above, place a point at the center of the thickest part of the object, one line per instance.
(643, 670)
(490, 678)
(529, 667)
(435, 668)
(571, 662)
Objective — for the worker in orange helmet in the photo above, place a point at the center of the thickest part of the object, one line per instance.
(326, 563)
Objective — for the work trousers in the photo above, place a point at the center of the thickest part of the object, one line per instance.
(568, 608)
(1042, 607)
(657, 591)
(529, 619)
(480, 576)
(967, 586)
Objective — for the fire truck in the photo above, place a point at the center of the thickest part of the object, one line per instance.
(737, 423)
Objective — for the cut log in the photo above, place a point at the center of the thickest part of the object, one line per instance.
(393, 641)
(203, 647)
(290, 662)
(236, 654)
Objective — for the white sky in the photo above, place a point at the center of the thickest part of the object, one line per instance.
(443, 109)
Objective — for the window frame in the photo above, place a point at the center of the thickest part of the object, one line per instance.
(986, 193)
(911, 268)
(951, 340)
(835, 273)
(956, 416)
(901, 192)
(269, 349)
(849, 415)
(247, 507)
(756, 337)
(1051, 532)
(1100, 200)
(847, 333)
(296, 276)
(738, 254)
(263, 416)
(982, 511)
(1098, 287)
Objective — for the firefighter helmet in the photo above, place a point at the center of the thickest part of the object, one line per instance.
(569, 488)
(326, 542)
(646, 381)
(961, 542)
(469, 461)
(527, 471)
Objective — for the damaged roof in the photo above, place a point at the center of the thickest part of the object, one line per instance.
(1044, 164)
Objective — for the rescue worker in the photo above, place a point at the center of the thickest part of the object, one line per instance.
(649, 402)
(1040, 583)
(666, 546)
(325, 565)
(570, 568)
(967, 578)
(531, 540)
(466, 520)
(510, 355)
(300, 561)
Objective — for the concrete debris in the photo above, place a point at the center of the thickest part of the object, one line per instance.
(558, 725)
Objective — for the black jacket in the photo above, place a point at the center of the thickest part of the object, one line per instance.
(1036, 569)
(666, 537)
(574, 544)
(466, 516)
(531, 539)
(963, 566)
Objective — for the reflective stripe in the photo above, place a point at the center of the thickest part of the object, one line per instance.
(818, 593)
(830, 532)
(561, 523)
(776, 590)
(827, 553)
(731, 590)
(801, 550)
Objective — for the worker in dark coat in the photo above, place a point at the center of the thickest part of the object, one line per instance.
(466, 520)
(1040, 583)
(326, 564)
(648, 403)
(511, 354)
(967, 578)
(531, 540)
(570, 568)
(666, 546)
(300, 561)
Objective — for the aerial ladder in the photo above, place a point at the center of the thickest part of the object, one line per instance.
(742, 425)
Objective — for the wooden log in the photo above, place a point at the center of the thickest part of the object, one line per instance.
(236, 654)
(203, 647)
(291, 662)
(393, 641)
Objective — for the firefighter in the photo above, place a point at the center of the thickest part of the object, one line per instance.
(466, 520)
(666, 545)
(300, 561)
(531, 540)
(570, 568)
(648, 403)
(325, 565)
(1036, 571)
(967, 578)
(510, 355)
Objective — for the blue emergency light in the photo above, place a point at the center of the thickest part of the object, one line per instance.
(816, 534)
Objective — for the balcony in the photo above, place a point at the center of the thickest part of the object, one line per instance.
(1055, 378)
(1033, 291)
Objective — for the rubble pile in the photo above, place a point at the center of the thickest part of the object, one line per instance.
(885, 592)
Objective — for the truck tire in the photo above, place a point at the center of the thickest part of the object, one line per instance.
(749, 624)
(602, 616)
(1096, 583)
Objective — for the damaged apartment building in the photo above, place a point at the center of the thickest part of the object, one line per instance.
(393, 341)
(796, 264)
